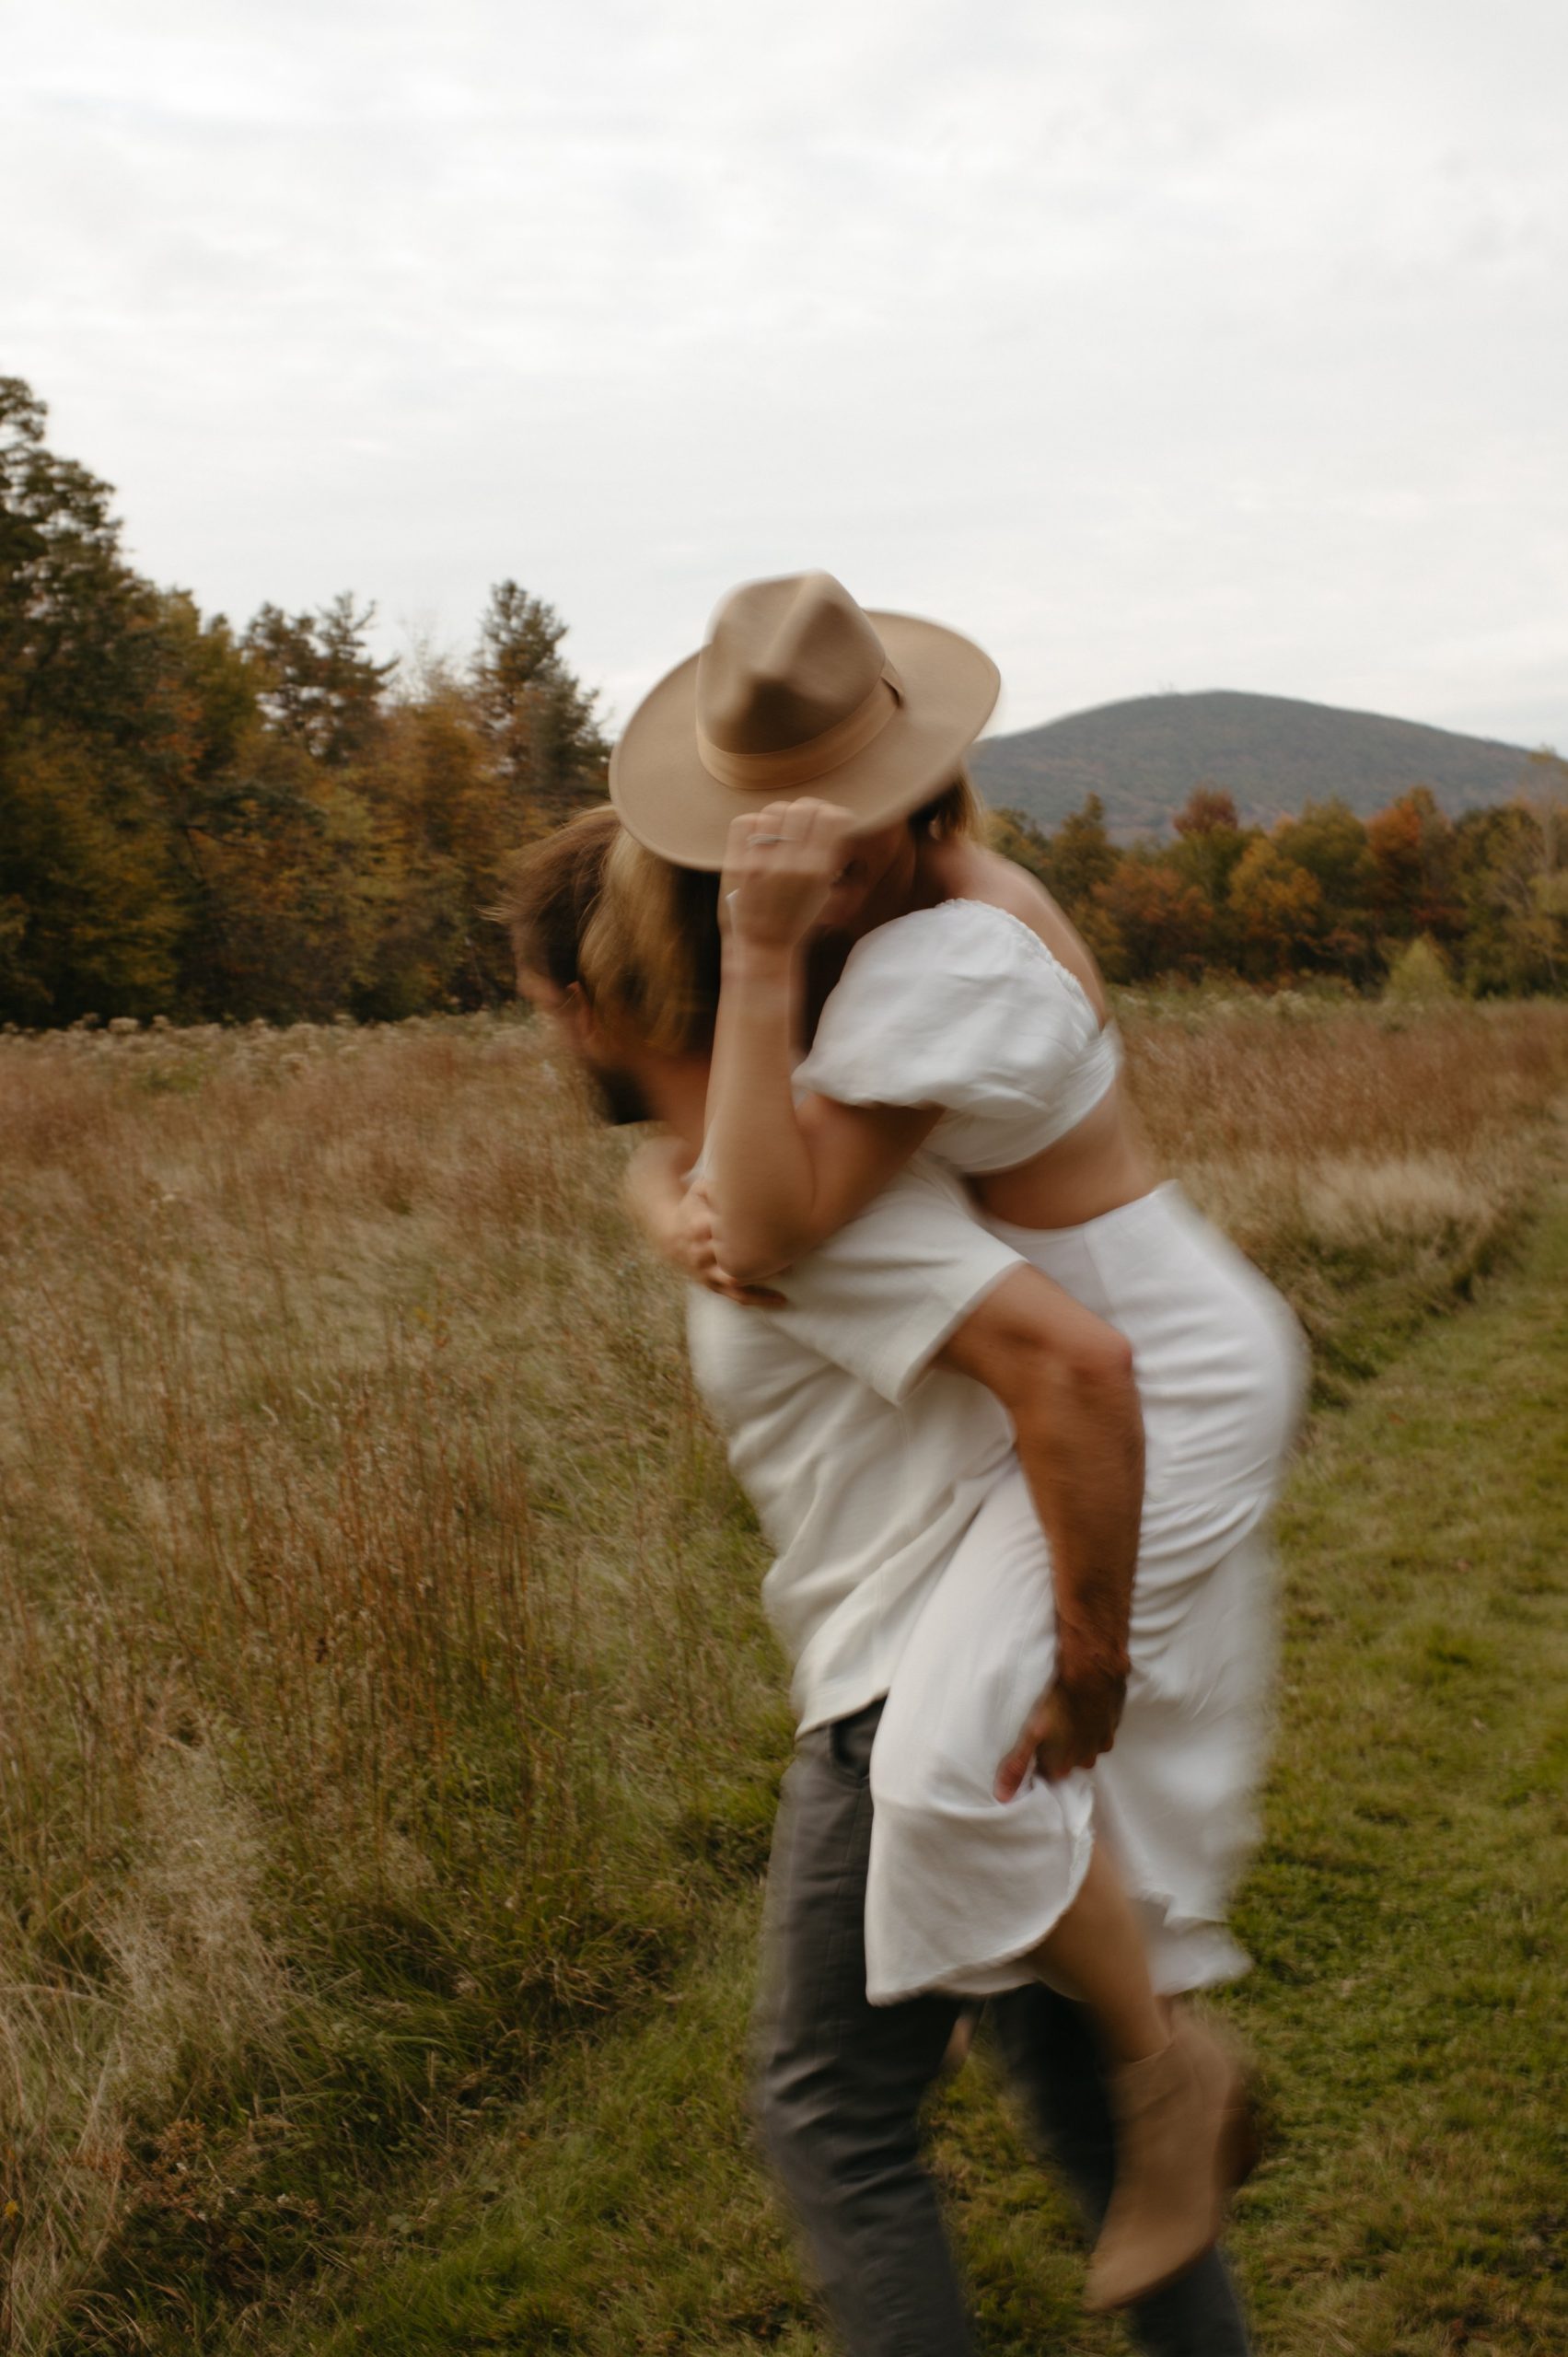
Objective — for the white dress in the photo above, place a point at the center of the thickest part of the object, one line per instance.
(964, 1007)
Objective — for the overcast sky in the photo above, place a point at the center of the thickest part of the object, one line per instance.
(1212, 344)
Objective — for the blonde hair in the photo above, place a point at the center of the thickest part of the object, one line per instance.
(651, 948)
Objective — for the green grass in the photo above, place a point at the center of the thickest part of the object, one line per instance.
(1408, 1916)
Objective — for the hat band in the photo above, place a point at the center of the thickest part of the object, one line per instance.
(803, 764)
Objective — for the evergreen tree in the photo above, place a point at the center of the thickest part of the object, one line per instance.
(537, 718)
(73, 617)
(320, 686)
(1210, 839)
(1015, 836)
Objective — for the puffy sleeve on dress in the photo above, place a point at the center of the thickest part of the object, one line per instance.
(961, 1006)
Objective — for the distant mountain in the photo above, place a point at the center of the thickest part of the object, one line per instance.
(1270, 753)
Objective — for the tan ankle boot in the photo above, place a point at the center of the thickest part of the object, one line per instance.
(1175, 2116)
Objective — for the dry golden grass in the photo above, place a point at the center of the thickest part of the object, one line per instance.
(349, 1460)
(1371, 1161)
(380, 1672)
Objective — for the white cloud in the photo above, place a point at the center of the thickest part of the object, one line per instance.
(1203, 345)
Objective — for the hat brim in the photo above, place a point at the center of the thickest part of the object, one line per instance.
(675, 807)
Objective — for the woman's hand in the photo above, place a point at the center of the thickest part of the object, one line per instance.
(677, 1220)
(779, 870)
(693, 1250)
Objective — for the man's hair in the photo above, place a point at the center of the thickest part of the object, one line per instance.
(551, 892)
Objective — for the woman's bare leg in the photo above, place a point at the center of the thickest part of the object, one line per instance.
(1095, 1952)
(1170, 2094)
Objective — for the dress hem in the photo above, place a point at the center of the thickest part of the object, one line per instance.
(944, 1983)
(1226, 1960)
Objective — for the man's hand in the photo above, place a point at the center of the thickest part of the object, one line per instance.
(1067, 1381)
(1069, 1728)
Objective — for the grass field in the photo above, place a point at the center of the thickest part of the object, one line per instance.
(390, 1738)
(1409, 1917)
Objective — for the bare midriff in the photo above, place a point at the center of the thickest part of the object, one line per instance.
(1104, 1162)
(1095, 1168)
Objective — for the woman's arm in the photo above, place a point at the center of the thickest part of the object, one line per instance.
(677, 1218)
(781, 1178)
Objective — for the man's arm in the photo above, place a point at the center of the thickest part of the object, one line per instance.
(1065, 1379)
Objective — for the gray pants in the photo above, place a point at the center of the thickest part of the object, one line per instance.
(840, 2082)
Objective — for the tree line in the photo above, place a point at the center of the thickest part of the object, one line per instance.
(1484, 896)
(200, 821)
(205, 822)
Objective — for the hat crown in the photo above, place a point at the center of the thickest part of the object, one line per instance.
(785, 661)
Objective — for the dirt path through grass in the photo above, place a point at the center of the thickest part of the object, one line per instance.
(1408, 1917)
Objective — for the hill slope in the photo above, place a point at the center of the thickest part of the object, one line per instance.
(1272, 753)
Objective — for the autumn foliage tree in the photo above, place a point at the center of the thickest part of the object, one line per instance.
(197, 821)
(1512, 872)
(87, 911)
(1276, 913)
(1414, 888)
(1325, 893)
(1163, 924)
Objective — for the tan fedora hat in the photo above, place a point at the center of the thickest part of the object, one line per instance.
(799, 691)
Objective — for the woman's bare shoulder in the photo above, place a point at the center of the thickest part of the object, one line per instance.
(970, 872)
(973, 873)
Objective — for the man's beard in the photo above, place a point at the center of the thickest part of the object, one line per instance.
(618, 1097)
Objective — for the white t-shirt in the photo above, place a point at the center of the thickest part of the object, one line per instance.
(865, 1464)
